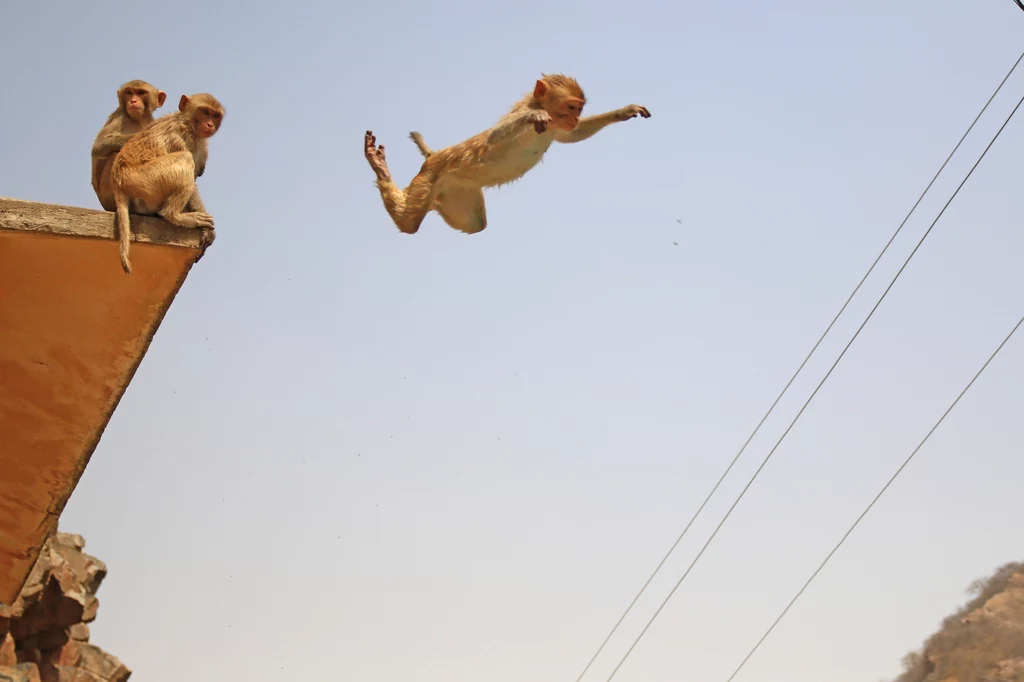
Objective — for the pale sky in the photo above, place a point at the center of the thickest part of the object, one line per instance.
(356, 455)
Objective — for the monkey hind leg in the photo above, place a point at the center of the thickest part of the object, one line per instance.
(138, 207)
(463, 208)
(168, 182)
(104, 187)
(407, 207)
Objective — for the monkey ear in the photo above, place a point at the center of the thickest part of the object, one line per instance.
(161, 97)
(540, 89)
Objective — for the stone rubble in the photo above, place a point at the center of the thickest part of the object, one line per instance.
(44, 636)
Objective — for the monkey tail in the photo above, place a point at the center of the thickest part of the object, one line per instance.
(418, 141)
(123, 224)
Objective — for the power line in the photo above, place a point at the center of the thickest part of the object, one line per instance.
(793, 378)
(820, 384)
(880, 493)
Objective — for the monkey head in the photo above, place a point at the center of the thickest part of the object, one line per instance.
(139, 98)
(205, 113)
(563, 98)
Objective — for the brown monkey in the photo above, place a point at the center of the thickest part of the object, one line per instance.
(451, 180)
(158, 168)
(136, 102)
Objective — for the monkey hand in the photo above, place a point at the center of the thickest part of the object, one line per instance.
(632, 111)
(540, 119)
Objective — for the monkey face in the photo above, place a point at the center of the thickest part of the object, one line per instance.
(205, 113)
(207, 122)
(563, 98)
(139, 98)
(567, 113)
(134, 103)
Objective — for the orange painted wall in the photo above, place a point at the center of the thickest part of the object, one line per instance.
(73, 328)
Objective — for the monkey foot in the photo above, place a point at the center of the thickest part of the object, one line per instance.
(206, 237)
(375, 155)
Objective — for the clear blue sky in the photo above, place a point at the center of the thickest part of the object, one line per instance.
(352, 454)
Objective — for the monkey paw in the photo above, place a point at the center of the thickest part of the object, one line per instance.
(632, 111)
(202, 219)
(206, 237)
(375, 155)
(540, 120)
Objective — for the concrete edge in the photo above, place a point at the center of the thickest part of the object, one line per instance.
(73, 221)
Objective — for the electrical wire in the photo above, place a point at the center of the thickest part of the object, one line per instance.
(879, 495)
(820, 384)
(795, 374)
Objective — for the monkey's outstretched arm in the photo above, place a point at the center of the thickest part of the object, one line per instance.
(591, 125)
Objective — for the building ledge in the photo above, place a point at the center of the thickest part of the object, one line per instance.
(72, 221)
(73, 330)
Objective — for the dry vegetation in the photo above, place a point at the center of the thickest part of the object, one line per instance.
(982, 642)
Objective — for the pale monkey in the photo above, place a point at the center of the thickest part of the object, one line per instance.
(451, 180)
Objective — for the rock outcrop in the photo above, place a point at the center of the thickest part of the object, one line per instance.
(982, 642)
(44, 636)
